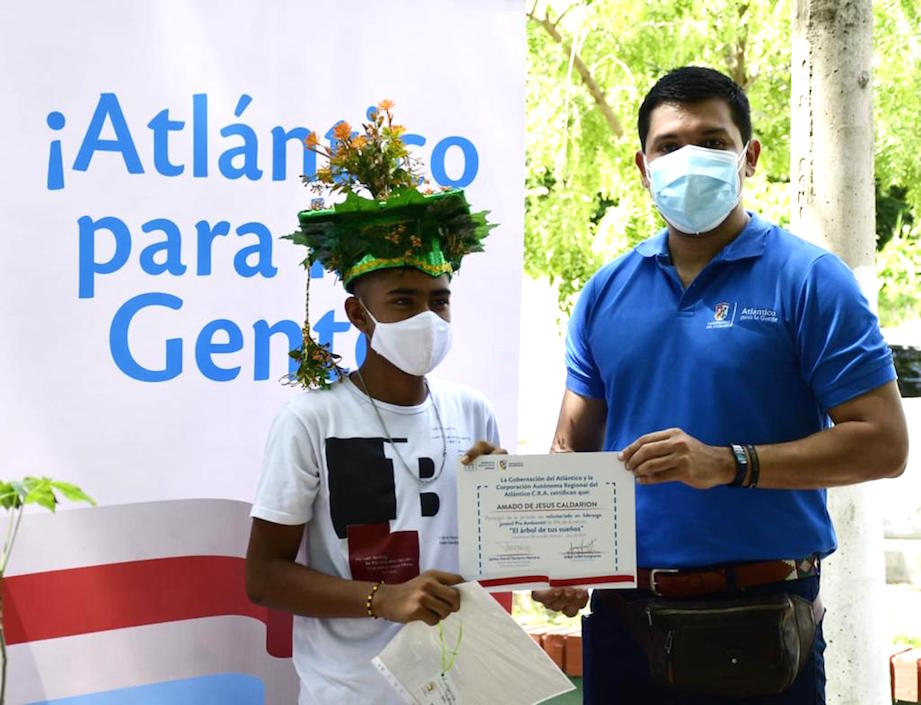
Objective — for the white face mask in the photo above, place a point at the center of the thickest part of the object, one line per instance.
(416, 345)
(695, 188)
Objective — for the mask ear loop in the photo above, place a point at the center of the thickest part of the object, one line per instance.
(740, 161)
(649, 185)
(743, 154)
(371, 316)
(367, 310)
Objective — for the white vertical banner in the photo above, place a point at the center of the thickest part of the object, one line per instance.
(152, 154)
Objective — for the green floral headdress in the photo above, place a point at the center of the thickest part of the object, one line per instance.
(397, 226)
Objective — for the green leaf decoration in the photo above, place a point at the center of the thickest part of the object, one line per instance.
(318, 366)
(409, 225)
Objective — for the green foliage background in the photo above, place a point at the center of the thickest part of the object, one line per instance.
(585, 203)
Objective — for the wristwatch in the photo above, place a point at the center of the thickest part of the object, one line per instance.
(741, 459)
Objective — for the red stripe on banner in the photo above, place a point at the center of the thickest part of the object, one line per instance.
(63, 603)
(562, 582)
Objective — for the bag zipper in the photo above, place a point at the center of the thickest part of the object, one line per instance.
(718, 610)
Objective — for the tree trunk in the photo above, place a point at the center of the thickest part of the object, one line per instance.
(832, 175)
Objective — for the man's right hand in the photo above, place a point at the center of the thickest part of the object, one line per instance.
(429, 598)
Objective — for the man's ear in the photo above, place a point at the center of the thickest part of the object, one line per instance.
(751, 157)
(640, 160)
(357, 315)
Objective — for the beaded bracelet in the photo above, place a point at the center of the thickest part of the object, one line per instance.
(374, 589)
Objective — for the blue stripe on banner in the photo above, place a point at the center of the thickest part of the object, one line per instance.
(220, 689)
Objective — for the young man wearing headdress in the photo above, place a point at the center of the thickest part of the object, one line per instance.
(366, 463)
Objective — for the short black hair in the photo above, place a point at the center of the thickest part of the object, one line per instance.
(691, 84)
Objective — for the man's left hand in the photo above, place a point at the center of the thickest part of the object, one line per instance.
(674, 456)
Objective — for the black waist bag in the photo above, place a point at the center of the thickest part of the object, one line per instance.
(742, 647)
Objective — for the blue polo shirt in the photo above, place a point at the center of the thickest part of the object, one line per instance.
(772, 334)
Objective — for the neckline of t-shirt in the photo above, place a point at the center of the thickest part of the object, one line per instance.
(393, 408)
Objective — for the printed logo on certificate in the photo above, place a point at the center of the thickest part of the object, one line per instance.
(566, 519)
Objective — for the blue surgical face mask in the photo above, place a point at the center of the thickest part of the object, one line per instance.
(695, 188)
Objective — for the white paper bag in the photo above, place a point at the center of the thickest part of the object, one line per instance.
(481, 658)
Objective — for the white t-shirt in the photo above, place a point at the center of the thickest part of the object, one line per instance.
(328, 464)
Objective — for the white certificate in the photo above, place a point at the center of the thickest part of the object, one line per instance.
(566, 519)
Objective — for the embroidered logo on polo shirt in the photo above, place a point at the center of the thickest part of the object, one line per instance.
(754, 313)
(724, 313)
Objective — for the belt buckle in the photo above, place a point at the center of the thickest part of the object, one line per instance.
(652, 578)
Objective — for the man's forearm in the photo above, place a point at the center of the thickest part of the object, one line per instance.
(868, 441)
(845, 454)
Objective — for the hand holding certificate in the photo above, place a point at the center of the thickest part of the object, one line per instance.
(566, 519)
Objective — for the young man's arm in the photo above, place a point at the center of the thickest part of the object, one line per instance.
(274, 579)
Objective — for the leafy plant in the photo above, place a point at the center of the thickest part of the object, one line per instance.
(14, 497)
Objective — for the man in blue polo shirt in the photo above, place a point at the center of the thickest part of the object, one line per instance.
(740, 372)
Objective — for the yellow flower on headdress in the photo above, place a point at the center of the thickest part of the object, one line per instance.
(342, 131)
(312, 140)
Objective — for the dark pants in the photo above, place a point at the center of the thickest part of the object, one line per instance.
(616, 670)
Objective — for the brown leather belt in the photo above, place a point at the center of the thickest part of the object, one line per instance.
(694, 582)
